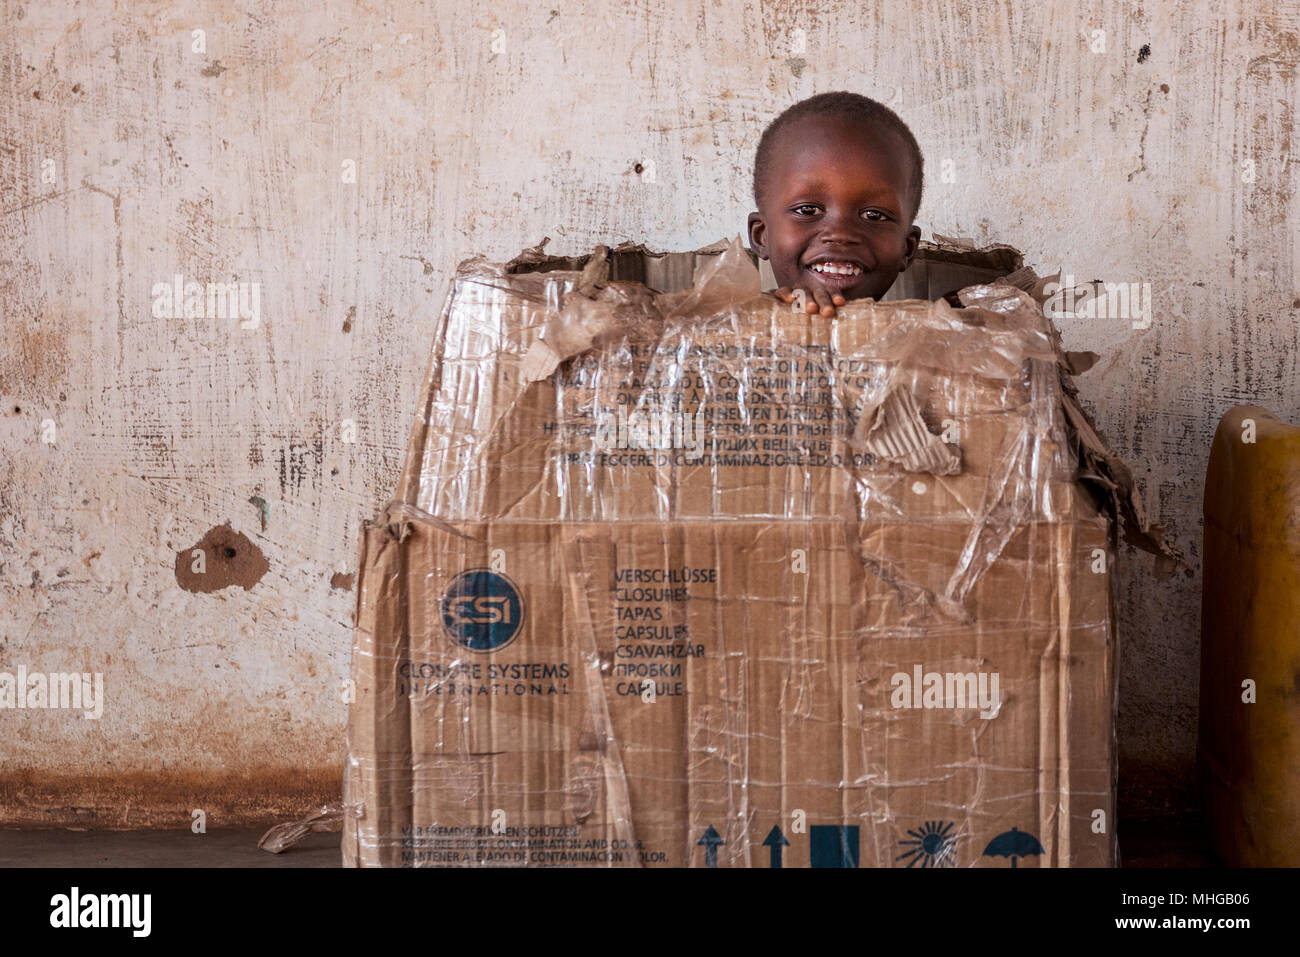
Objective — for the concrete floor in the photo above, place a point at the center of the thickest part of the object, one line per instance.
(159, 849)
(1143, 845)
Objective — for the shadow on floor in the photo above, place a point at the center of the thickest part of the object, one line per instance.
(159, 849)
(1152, 844)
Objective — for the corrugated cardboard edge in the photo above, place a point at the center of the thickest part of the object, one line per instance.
(377, 801)
(896, 432)
(408, 489)
(628, 261)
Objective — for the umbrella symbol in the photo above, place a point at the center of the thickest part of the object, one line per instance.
(1013, 844)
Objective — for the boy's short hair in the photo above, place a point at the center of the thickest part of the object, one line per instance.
(853, 108)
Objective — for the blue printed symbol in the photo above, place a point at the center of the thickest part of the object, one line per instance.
(775, 841)
(711, 841)
(482, 610)
(834, 845)
(1013, 844)
(931, 846)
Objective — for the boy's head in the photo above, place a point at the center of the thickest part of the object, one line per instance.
(837, 179)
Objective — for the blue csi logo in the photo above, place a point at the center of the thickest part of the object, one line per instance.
(482, 610)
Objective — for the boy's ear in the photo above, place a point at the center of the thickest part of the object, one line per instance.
(910, 245)
(758, 235)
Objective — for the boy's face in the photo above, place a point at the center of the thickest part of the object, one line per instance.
(836, 193)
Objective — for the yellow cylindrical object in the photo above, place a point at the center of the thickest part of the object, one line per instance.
(1249, 751)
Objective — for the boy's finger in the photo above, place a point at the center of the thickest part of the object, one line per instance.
(815, 298)
(824, 304)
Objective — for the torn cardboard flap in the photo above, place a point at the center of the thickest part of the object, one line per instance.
(594, 310)
(670, 562)
(726, 281)
(1098, 463)
(583, 321)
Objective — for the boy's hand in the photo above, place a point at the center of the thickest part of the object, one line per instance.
(810, 301)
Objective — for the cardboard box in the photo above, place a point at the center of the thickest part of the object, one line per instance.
(677, 577)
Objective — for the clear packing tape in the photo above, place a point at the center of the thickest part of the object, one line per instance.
(676, 575)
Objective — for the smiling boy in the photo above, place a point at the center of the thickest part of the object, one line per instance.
(837, 182)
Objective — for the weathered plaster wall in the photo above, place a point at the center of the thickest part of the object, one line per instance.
(126, 158)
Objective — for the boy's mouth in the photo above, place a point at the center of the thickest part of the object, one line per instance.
(836, 273)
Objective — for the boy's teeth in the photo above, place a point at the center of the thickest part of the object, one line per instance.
(838, 269)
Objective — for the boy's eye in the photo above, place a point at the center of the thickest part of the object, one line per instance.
(811, 209)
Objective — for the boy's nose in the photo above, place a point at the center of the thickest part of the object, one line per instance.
(840, 228)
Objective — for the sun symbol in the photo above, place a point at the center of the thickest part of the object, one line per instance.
(931, 846)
